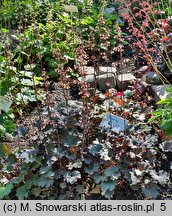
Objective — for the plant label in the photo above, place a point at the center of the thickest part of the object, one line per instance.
(114, 122)
(109, 10)
(5, 103)
(71, 8)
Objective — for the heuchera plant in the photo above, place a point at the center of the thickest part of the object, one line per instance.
(149, 26)
(149, 31)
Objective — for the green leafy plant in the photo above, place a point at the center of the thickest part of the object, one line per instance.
(164, 114)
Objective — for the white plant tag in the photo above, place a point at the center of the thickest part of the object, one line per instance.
(71, 8)
(117, 123)
(5, 103)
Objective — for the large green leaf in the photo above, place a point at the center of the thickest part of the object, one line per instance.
(4, 191)
(111, 170)
(23, 191)
(110, 185)
(164, 101)
(43, 182)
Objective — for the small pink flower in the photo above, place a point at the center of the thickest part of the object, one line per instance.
(145, 24)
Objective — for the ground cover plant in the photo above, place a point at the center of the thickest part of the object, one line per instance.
(63, 97)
